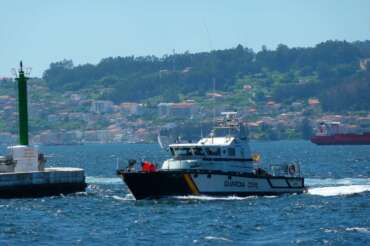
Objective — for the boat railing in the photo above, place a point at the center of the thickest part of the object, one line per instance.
(180, 164)
(130, 165)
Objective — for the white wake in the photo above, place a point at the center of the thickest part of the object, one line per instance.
(103, 180)
(128, 197)
(212, 198)
(337, 187)
(338, 190)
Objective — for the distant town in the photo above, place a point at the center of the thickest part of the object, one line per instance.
(73, 118)
(279, 94)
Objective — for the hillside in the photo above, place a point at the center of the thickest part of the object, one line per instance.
(280, 94)
(335, 72)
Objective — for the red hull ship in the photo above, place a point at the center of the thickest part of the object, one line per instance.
(343, 139)
(328, 134)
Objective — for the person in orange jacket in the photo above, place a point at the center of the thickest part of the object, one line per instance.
(147, 166)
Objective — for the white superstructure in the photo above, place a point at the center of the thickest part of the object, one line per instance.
(226, 148)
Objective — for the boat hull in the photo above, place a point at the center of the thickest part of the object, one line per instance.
(342, 139)
(146, 185)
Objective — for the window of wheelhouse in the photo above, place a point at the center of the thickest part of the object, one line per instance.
(215, 151)
(198, 151)
(181, 152)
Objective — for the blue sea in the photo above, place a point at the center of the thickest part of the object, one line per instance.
(335, 211)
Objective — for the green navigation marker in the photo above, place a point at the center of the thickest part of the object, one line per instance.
(22, 107)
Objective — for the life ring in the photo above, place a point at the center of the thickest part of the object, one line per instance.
(291, 169)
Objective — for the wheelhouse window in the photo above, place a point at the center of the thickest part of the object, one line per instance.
(180, 152)
(213, 151)
(198, 151)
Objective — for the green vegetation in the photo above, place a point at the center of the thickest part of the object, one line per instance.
(270, 88)
(284, 75)
(7, 87)
(2, 124)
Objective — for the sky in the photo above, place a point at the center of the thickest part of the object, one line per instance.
(40, 32)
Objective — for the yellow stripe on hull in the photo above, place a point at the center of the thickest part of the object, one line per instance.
(189, 181)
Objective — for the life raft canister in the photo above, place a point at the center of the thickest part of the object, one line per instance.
(291, 169)
(147, 166)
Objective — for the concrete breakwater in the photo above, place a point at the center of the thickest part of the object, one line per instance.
(51, 181)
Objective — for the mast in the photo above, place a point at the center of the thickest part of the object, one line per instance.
(22, 106)
(214, 101)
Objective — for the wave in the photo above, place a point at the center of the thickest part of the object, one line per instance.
(348, 229)
(218, 238)
(337, 187)
(358, 229)
(320, 182)
(338, 190)
(212, 198)
(128, 197)
(103, 180)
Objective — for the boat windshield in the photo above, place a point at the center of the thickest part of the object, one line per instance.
(178, 152)
(198, 151)
(213, 151)
(187, 151)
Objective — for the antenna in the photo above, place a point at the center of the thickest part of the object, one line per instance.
(208, 36)
(214, 101)
(27, 71)
(213, 78)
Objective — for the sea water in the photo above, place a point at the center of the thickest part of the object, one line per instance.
(334, 211)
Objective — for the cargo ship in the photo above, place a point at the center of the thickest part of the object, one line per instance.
(328, 133)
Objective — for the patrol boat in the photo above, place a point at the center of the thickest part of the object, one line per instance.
(220, 164)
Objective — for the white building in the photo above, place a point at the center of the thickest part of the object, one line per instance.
(178, 110)
(101, 106)
(131, 108)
